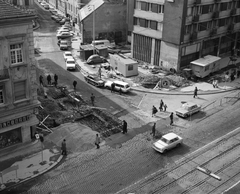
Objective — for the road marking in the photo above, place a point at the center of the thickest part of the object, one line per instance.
(184, 157)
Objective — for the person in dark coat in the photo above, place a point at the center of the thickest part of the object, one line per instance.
(154, 111)
(153, 130)
(49, 79)
(97, 141)
(171, 118)
(41, 80)
(64, 147)
(74, 84)
(112, 87)
(195, 92)
(165, 107)
(55, 80)
(92, 99)
(120, 91)
(124, 127)
(161, 105)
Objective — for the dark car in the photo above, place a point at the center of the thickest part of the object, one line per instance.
(93, 59)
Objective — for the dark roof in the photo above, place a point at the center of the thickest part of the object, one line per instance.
(9, 11)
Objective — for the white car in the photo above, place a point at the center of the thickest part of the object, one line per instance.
(188, 109)
(70, 64)
(63, 29)
(67, 55)
(43, 3)
(117, 85)
(167, 142)
(64, 35)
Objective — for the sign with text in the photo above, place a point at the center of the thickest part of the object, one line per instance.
(14, 121)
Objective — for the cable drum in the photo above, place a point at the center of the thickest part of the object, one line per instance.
(165, 83)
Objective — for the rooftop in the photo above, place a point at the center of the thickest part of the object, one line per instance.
(9, 11)
(206, 60)
(89, 8)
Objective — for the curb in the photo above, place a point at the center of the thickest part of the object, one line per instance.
(183, 93)
(35, 175)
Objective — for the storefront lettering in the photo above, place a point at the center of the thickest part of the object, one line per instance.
(14, 121)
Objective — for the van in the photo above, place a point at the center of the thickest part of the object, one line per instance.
(101, 42)
(118, 84)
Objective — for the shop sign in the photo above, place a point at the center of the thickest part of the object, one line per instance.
(14, 121)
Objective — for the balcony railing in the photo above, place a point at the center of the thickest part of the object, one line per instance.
(4, 74)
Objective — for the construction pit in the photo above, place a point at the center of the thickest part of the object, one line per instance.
(64, 114)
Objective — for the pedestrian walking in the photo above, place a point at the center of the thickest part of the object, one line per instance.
(161, 105)
(124, 127)
(195, 92)
(171, 118)
(154, 110)
(49, 79)
(165, 107)
(112, 87)
(74, 84)
(97, 141)
(92, 99)
(55, 80)
(153, 130)
(41, 80)
(64, 147)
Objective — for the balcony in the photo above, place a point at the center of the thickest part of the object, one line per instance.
(215, 15)
(233, 12)
(195, 18)
(193, 36)
(4, 74)
(213, 32)
(197, 2)
(230, 28)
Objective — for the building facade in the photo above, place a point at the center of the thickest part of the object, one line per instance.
(197, 28)
(18, 85)
(129, 17)
(27, 4)
(109, 21)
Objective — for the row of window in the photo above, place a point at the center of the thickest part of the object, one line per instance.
(202, 26)
(152, 7)
(205, 9)
(147, 23)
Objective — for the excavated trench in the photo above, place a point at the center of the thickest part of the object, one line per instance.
(63, 107)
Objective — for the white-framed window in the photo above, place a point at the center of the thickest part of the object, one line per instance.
(20, 90)
(16, 52)
(161, 9)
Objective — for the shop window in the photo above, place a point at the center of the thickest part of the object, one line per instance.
(10, 138)
(153, 25)
(16, 53)
(145, 6)
(130, 67)
(20, 90)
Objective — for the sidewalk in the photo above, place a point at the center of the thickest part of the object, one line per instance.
(17, 170)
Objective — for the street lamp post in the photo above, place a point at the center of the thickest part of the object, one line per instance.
(93, 33)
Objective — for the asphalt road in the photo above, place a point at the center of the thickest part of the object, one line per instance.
(109, 169)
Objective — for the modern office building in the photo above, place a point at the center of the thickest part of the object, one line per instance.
(18, 85)
(172, 33)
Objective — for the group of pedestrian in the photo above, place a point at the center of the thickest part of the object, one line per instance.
(163, 106)
(49, 80)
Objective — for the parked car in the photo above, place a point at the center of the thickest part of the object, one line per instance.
(70, 64)
(39, 1)
(93, 59)
(167, 142)
(46, 6)
(43, 3)
(63, 28)
(67, 55)
(94, 80)
(118, 84)
(64, 45)
(53, 11)
(188, 109)
(64, 35)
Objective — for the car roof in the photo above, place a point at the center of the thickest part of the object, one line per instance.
(120, 82)
(170, 136)
(189, 104)
(67, 52)
(70, 59)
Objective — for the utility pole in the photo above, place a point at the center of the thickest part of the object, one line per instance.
(93, 29)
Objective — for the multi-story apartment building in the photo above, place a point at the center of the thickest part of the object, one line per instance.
(18, 85)
(28, 4)
(173, 33)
